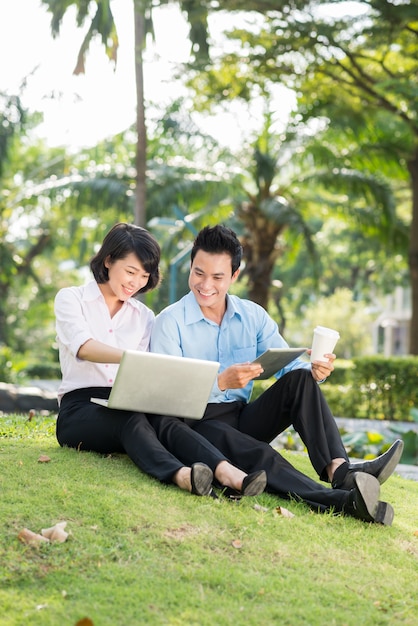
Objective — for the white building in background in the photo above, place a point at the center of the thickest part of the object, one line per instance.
(391, 329)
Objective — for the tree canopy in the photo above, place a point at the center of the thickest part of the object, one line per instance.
(355, 76)
(341, 177)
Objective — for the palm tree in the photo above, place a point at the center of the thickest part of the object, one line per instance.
(266, 214)
(358, 74)
(101, 23)
(287, 189)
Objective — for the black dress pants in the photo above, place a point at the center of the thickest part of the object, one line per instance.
(296, 400)
(158, 445)
(283, 479)
(243, 432)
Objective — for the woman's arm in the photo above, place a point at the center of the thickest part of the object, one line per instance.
(99, 352)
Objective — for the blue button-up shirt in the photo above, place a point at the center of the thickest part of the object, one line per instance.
(246, 332)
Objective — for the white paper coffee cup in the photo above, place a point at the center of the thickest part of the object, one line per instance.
(323, 342)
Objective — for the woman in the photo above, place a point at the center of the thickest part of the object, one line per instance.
(95, 323)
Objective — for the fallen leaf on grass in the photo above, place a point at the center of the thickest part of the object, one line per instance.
(85, 621)
(415, 533)
(258, 507)
(56, 533)
(236, 543)
(280, 510)
(31, 538)
(44, 459)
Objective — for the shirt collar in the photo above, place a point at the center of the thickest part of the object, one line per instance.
(231, 306)
(92, 291)
(193, 312)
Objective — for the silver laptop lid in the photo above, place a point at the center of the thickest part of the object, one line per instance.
(158, 383)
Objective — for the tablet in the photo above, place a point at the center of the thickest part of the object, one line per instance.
(275, 358)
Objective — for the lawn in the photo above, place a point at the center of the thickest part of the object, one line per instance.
(139, 552)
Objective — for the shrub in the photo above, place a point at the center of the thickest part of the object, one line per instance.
(370, 387)
(375, 387)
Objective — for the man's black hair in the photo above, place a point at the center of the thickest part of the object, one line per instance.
(217, 240)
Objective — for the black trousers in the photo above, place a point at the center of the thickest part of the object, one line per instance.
(158, 445)
(243, 432)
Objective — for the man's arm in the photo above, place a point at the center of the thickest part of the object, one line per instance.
(165, 336)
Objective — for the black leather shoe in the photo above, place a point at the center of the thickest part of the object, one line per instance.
(381, 468)
(252, 485)
(363, 501)
(201, 478)
(384, 514)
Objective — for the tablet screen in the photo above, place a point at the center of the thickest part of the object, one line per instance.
(275, 358)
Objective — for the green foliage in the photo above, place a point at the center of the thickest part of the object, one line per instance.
(7, 371)
(366, 138)
(387, 386)
(69, 201)
(12, 120)
(375, 387)
(348, 264)
(18, 368)
(339, 311)
(100, 23)
(372, 387)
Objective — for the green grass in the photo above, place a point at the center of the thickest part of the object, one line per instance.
(144, 553)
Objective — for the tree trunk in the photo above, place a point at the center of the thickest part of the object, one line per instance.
(260, 252)
(141, 145)
(413, 256)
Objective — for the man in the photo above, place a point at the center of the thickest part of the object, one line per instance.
(209, 323)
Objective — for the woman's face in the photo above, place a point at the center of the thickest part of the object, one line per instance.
(126, 277)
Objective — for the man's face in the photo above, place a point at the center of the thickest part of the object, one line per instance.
(210, 278)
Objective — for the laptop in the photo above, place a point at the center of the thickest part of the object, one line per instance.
(274, 359)
(148, 382)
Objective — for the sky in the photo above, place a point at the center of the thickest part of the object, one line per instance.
(81, 110)
(87, 107)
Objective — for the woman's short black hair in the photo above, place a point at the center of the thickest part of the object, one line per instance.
(121, 240)
(217, 240)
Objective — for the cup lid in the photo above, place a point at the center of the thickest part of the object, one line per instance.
(327, 331)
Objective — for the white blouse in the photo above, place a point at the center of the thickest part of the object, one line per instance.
(81, 313)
